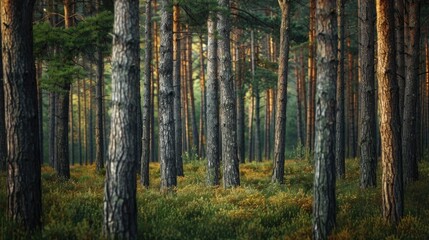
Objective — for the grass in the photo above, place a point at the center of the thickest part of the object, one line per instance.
(256, 210)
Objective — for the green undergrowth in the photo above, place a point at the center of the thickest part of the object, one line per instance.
(256, 210)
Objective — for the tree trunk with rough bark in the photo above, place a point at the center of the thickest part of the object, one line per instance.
(99, 126)
(390, 127)
(3, 149)
(213, 161)
(324, 204)
(166, 100)
(120, 206)
(176, 86)
(340, 163)
(24, 202)
(241, 151)
(231, 174)
(400, 51)
(409, 123)
(279, 135)
(146, 113)
(201, 140)
(309, 142)
(367, 113)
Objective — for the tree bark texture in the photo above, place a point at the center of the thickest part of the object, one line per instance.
(367, 113)
(202, 131)
(3, 148)
(213, 161)
(166, 100)
(400, 51)
(99, 126)
(120, 206)
(231, 177)
(409, 123)
(146, 113)
(390, 127)
(24, 203)
(176, 86)
(240, 106)
(324, 203)
(279, 135)
(309, 142)
(340, 163)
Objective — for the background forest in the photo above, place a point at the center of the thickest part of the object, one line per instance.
(225, 134)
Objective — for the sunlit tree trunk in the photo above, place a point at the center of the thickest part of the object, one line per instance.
(231, 177)
(166, 100)
(120, 206)
(280, 130)
(309, 144)
(390, 129)
(213, 151)
(367, 113)
(201, 140)
(24, 203)
(3, 149)
(324, 204)
(190, 86)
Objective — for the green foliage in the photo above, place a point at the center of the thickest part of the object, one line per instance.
(256, 210)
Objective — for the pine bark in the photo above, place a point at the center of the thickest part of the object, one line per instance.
(409, 123)
(146, 113)
(340, 163)
(202, 131)
(280, 129)
(367, 113)
(299, 123)
(241, 151)
(24, 203)
(309, 144)
(176, 86)
(228, 119)
(390, 127)
(166, 100)
(213, 151)
(190, 86)
(99, 126)
(324, 204)
(400, 51)
(3, 149)
(120, 206)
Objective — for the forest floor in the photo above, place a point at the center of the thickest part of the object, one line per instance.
(256, 210)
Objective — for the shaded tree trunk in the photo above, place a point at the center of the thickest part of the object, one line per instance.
(99, 126)
(231, 177)
(340, 116)
(350, 104)
(367, 111)
(280, 130)
(400, 52)
(52, 123)
(190, 86)
(213, 151)
(409, 123)
(176, 86)
(79, 125)
(120, 206)
(201, 140)
(250, 133)
(146, 113)
(3, 149)
(390, 129)
(300, 133)
(24, 203)
(241, 151)
(324, 216)
(166, 99)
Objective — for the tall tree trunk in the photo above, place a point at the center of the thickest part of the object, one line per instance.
(166, 99)
(99, 126)
(153, 140)
(367, 113)
(62, 165)
(176, 86)
(311, 78)
(39, 71)
(400, 52)
(250, 133)
(390, 129)
(257, 107)
(340, 116)
(409, 123)
(191, 92)
(201, 140)
(324, 151)
(279, 135)
(3, 149)
(91, 121)
(21, 116)
(120, 206)
(213, 161)
(52, 127)
(71, 125)
(146, 114)
(85, 122)
(231, 177)
(79, 125)
(299, 125)
(350, 103)
(241, 151)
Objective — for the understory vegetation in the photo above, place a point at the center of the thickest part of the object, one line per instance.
(257, 210)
